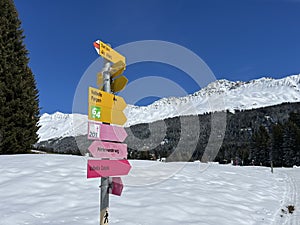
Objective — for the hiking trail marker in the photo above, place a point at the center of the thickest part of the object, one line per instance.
(110, 154)
(116, 186)
(105, 168)
(111, 150)
(105, 132)
(107, 52)
(106, 107)
(119, 84)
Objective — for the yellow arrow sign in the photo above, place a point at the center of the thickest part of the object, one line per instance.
(108, 53)
(117, 69)
(119, 84)
(106, 115)
(100, 80)
(105, 99)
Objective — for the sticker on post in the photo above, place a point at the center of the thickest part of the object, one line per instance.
(93, 131)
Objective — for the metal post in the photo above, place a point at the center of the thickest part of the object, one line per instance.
(104, 196)
(272, 167)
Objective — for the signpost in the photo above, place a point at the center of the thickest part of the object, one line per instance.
(105, 99)
(117, 69)
(107, 52)
(105, 168)
(100, 131)
(119, 84)
(116, 186)
(109, 153)
(106, 115)
(106, 107)
(110, 150)
(100, 80)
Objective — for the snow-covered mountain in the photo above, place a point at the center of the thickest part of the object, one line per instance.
(217, 96)
(59, 125)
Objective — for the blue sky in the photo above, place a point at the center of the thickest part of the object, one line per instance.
(237, 39)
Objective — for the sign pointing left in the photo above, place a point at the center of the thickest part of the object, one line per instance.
(110, 150)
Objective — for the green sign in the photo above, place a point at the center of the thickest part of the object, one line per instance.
(95, 112)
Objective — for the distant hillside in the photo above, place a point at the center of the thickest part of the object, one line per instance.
(217, 96)
(241, 142)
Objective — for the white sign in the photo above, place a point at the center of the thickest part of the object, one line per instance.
(93, 130)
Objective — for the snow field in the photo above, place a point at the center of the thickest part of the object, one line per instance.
(53, 189)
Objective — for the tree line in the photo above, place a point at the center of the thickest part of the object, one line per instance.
(252, 137)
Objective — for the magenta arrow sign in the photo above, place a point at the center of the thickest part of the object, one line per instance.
(106, 168)
(110, 150)
(116, 186)
(99, 131)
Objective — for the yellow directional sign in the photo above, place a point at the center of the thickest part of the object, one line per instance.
(119, 84)
(108, 53)
(100, 80)
(105, 99)
(106, 115)
(106, 107)
(117, 69)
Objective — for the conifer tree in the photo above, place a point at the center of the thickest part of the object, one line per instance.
(277, 145)
(291, 141)
(19, 105)
(260, 151)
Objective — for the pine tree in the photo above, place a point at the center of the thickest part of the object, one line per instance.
(19, 108)
(289, 143)
(295, 154)
(295, 118)
(261, 145)
(277, 142)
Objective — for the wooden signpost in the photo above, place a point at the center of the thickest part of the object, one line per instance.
(110, 154)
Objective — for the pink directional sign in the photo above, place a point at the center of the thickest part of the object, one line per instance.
(117, 186)
(106, 168)
(110, 150)
(99, 131)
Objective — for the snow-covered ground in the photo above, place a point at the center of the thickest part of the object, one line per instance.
(53, 189)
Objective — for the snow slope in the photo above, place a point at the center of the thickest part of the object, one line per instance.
(219, 95)
(60, 125)
(53, 189)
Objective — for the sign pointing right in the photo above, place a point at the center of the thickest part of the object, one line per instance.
(106, 107)
(106, 168)
(105, 132)
(102, 98)
(119, 84)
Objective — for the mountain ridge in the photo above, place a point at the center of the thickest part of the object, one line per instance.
(219, 95)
